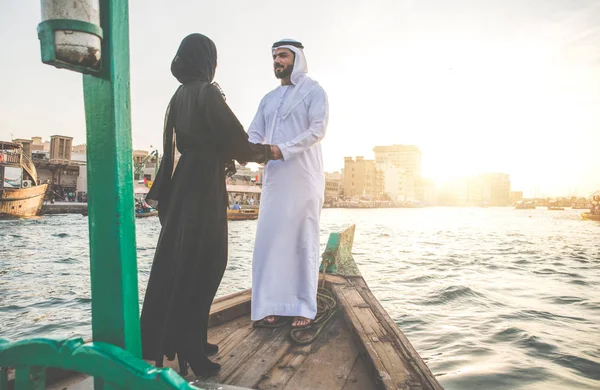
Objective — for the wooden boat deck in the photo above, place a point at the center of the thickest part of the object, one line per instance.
(361, 348)
(261, 358)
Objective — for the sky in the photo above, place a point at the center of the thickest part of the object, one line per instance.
(479, 85)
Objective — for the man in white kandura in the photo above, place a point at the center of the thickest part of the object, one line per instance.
(292, 118)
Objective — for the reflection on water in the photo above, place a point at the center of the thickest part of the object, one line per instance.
(492, 298)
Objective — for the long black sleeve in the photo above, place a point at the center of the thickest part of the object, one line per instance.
(229, 132)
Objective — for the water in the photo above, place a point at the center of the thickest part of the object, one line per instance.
(492, 298)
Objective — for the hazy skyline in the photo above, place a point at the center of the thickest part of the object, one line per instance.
(479, 86)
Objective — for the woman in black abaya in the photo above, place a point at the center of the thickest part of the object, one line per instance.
(191, 254)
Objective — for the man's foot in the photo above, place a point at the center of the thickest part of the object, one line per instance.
(271, 322)
(301, 322)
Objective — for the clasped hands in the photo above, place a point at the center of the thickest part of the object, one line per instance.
(275, 154)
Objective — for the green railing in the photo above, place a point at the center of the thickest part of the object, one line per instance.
(114, 366)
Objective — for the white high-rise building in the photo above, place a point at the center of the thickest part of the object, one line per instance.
(407, 157)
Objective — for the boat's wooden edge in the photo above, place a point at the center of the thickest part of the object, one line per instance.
(229, 307)
(393, 359)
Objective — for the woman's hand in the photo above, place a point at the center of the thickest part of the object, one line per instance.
(276, 152)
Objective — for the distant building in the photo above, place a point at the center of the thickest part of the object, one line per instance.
(491, 189)
(362, 178)
(144, 165)
(454, 193)
(425, 191)
(394, 181)
(38, 146)
(515, 196)
(63, 166)
(60, 149)
(495, 188)
(406, 157)
(401, 167)
(55, 166)
(333, 186)
(79, 153)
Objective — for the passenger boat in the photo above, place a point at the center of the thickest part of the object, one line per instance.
(554, 206)
(20, 193)
(590, 216)
(594, 213)
(146, 214)
(242, 214)
(522, 205)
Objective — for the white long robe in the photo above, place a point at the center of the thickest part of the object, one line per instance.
(285, 265)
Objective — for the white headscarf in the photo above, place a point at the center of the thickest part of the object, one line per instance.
(300, 65)
(304, 84)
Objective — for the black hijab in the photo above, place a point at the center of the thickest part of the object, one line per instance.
(196, 59)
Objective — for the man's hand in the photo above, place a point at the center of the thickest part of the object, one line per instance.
(276, 152)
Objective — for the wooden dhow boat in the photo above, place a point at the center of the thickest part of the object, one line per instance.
(20, 196)
(242, 214)
(590, 216)
(357, 346)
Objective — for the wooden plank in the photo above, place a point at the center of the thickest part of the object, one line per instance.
(330, 365)
(234, 355)
(360, 377)
(332, 279)
(402, 343)
(232, 334)
(230, 307)
(227, 300)
(281, 373)
(218, 333)
(360, 318)
(384, 350)
(251, 372)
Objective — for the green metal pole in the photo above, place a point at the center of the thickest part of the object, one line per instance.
(115, 305)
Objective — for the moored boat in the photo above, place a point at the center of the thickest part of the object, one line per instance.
(242, 214)
(20, 193)
(146, 214)
(522, 205)
(554, 206)
(594, 213)
(590, 216)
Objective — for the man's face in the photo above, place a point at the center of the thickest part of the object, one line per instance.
(283, 63)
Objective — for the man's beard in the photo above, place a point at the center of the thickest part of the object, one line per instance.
(284, 72)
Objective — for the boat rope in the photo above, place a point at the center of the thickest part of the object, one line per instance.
(326, 309)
